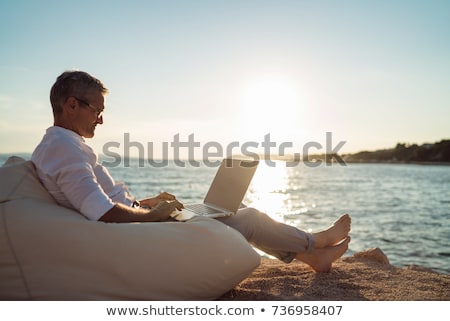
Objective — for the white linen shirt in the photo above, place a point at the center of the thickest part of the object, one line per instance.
(70, 171)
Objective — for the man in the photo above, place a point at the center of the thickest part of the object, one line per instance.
(70, 171)
(67, 166)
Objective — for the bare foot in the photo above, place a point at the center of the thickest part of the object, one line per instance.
(334, 234)
(321, 260)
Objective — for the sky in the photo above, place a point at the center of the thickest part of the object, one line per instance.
(371, 73)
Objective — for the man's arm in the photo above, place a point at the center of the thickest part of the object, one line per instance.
(124, 214)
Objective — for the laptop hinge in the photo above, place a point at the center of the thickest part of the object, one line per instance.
(219, 208)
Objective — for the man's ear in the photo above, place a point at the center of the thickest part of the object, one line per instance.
(71, 105)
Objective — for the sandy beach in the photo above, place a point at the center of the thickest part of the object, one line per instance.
(364, 276)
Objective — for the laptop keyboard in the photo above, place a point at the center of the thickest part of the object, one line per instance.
(201, 209)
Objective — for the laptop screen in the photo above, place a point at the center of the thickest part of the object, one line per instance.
(231, 183)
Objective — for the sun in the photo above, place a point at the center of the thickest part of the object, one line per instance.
(269, 105)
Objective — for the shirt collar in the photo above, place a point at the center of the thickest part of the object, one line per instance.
(65, 132)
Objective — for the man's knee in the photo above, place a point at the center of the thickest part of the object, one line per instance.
(254, 216)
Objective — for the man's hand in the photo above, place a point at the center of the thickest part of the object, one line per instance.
(153, 201)
(121, 213)
(164, 209)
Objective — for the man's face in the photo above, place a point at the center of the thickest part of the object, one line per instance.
(89, 114)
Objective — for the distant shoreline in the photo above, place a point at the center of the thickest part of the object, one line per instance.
(426, 154)
(401, 163)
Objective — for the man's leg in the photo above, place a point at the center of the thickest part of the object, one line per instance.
(284, 241)
(275, 238)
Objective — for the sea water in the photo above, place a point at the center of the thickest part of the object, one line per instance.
(403, 209)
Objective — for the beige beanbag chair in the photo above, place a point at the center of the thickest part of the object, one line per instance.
(48, 252)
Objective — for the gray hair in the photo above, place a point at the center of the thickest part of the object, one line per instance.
(73, 84)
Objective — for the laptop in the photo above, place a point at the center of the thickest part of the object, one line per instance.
(225, 193)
